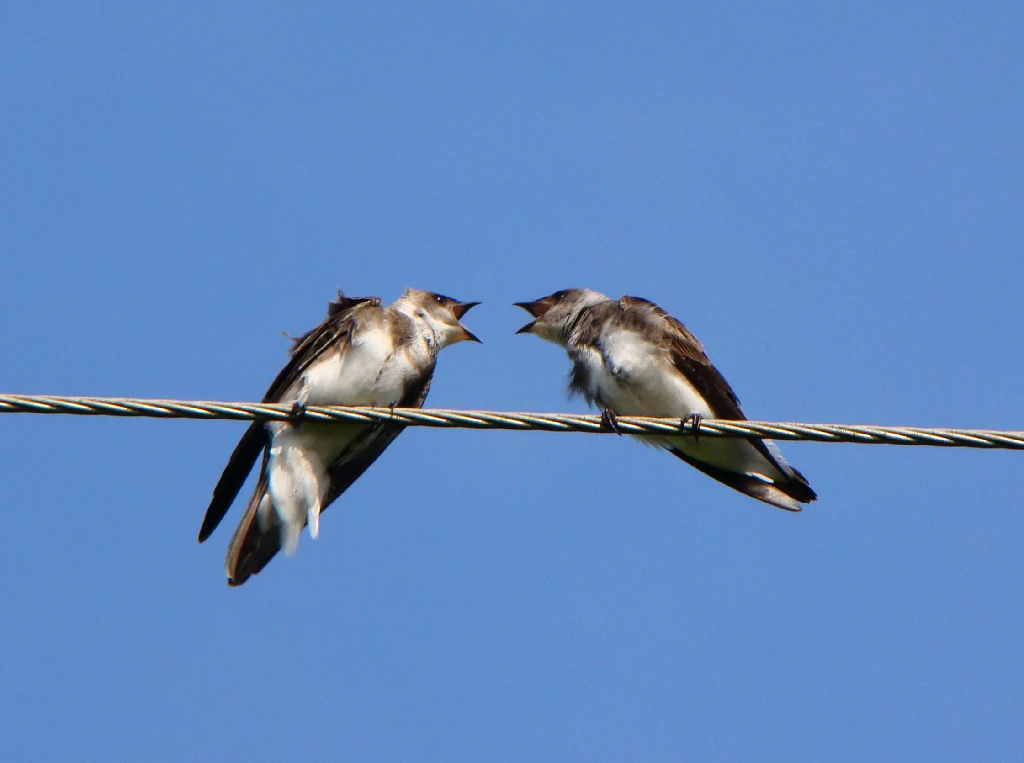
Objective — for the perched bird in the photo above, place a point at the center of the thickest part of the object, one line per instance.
(632, 358)
(362, 354)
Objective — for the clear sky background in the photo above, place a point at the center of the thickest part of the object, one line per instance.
(829, 197)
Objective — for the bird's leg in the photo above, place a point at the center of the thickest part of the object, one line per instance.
(693, 420)
(301, 401)
(610, 420)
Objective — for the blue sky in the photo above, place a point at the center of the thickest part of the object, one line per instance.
(829, 196)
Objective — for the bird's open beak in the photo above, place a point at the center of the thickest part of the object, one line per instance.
(461, 308)
(537, 309)
(465, 335)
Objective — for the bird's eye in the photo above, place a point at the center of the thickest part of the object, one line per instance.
(439, 299)
(560, 294)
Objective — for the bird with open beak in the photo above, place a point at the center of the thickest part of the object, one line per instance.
(632, 358)
(362, 354)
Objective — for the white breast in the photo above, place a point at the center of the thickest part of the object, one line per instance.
(638, 380)
(366, 372)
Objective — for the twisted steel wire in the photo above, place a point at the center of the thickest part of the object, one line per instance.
(509, 420)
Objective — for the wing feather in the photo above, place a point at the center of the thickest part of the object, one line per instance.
(252, 548)
(689, 357)
(336, 327)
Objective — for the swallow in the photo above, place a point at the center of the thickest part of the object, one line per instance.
(361, 354)
(630, 357)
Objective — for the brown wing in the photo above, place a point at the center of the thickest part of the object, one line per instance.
(251, 549)
(336, 327)
(233, 477)
(688, 356)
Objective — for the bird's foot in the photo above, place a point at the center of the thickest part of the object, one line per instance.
(297, 412)
(301, 401)
(693, 420)
(610, 420)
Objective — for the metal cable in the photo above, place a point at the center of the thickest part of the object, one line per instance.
(544, 422)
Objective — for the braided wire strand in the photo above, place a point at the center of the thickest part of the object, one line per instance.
(511, 420)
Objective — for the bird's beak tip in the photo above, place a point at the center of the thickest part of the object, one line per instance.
(537, 308)
(465, 335)
(528, 328)
(461, 308)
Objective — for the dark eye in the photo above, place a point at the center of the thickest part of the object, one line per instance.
(561, 294)
(439, 299)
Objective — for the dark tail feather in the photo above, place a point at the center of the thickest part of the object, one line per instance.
(251, 548)
(785, 495)
(798, 488)
(234, 476)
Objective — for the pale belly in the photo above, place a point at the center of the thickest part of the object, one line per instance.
(366, 373)
(646, 391)
(643, 389)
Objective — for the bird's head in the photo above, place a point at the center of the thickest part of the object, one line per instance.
(555, 313)
(442, 314)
